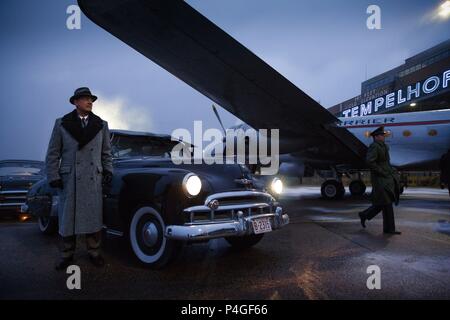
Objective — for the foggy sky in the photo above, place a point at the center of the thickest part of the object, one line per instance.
(323, 47)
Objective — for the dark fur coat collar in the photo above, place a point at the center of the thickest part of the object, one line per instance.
(72, 123)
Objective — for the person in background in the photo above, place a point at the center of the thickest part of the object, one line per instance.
(385, 183)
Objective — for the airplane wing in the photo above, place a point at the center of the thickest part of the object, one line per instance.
(188, 45)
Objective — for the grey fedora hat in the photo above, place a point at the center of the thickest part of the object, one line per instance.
(82, 92)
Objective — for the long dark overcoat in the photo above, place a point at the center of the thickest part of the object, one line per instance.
(384, 178)
(79, 156)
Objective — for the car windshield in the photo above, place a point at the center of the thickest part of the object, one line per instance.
(20, 169)
(141, 146)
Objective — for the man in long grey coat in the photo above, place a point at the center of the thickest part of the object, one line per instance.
(78, 162)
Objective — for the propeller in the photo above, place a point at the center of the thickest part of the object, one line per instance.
(220, 120)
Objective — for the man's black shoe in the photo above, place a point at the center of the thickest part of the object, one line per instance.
(392, 232)
(363, 219)
(63, 263)
(97, 261)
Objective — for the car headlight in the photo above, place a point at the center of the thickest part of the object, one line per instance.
(276, 186)
(192, 184)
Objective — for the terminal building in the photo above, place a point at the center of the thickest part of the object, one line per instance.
(421, 83)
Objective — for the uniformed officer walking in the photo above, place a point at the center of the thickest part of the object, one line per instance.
(385, 183)
(78, 162)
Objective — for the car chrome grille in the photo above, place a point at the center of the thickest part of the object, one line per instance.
(230, 206)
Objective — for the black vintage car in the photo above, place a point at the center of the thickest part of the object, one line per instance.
(158, 205)
(16, 178)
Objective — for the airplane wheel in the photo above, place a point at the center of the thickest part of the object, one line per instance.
(332, 189)
(357, 188)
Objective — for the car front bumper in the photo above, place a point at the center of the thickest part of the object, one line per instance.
(240, 223)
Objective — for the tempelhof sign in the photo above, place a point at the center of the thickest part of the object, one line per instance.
(413, 92)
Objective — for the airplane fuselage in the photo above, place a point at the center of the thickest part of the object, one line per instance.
(417, 140)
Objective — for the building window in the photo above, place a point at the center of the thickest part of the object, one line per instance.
(425, 63)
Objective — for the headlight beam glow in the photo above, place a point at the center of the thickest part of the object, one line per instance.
(192, 184)
(277, 186)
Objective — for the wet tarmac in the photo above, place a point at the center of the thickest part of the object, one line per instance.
(323, 254)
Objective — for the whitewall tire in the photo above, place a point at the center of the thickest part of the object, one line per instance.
(146, 233)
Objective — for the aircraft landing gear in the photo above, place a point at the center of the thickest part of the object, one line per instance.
(357, 187)
(332, 189)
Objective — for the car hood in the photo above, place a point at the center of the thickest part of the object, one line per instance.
(219, 177)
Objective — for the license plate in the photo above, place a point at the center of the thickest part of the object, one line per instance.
(261, 225)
